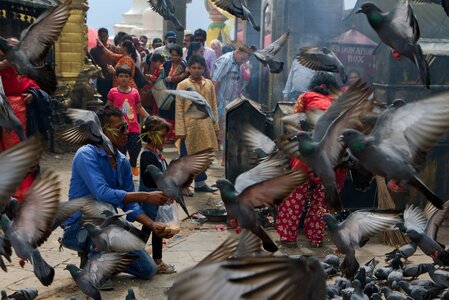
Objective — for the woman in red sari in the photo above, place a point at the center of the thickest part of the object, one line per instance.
(308, 197)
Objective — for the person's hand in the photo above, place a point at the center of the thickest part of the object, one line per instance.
(111, 69)
(158, 198)
(181, 137)
(27, 97)
(161, 230)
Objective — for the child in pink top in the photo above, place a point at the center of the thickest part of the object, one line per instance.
(127, 99)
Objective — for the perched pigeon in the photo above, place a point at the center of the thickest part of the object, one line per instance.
(15, 163)
(199, 109)
(24, 294)
(266, 55)
(28, 56)
(266, 193)
(253, 278)
(97, 270)
(32, 225)
(180, 174)
(399, 30)
(88, 132)
(322, 151)
(8, 119)
(166, 9)
(443, 3)
(239, 9)
(402, 136)
(321, 59)
(355, 230)
(113, 238)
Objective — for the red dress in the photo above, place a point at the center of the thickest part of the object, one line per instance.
(312, 192)
(15, 85)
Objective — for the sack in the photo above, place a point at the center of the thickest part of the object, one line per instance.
(168, 215)
(163, 99)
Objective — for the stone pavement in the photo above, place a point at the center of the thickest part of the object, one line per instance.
(184, 250)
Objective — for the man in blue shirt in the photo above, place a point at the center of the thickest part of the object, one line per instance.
(110, 180)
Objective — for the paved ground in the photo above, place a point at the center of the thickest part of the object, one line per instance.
(186, 249)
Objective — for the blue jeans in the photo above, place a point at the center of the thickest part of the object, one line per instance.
(183, 152)
(75, 237)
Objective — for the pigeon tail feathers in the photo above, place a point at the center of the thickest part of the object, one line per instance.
(43, 271)
(430, 195)
(422, 65)
(349, 266)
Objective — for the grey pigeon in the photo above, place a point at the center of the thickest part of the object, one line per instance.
(254, 278)
(166, 9)
(130, 295)
(266, 55)
(332, 260)
(112, 218)
(415, 270)
(399, 30)
(322, 151)
(394, 278)
(8, 119)
(28, 56)
(97, 270)
(404, 251)
(25, 294)
(400, 139)
(32, 225)
(440, 277)
(358, 291)
(445, 295)
(321, 59)
(258, 142)
(361, 277)
(88, 132)
(443, 3)
(4, 295)
(180, 174)
(429, 247)
(371, 288)
(376, 296)
(266, 193)
(5, 251)
(416, 292)
(238, 8)
(199, 108)
(113, 238)
(393, 295)
(358, 226)
(15, 163)
(382, 273)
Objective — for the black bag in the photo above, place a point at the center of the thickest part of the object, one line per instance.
(139, 79)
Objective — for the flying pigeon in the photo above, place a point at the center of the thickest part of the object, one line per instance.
(97, 270)
(28, 56)
(266, 55)
(15, 163)
(238, 8)
(399, 30)
(32, 225)
(402, 136)
(266, 193)
(321, 59)
(113, 238)
(88, 132)
(200, 108)
(443, 3)
(8, 119)
(355, 230)
(166, 9)
(429, 247)
(180, 174)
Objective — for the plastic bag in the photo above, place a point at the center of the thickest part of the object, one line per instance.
(168, 215)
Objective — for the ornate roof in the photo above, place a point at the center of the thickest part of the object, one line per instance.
(34, 3)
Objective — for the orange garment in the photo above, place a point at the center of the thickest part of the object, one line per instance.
(312, 100)
(123, 60)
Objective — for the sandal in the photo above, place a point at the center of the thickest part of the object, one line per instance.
(164, 268)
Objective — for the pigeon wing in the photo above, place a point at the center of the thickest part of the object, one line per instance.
(319, 59)
(234, 7)
(276, 46)
(414, 218)
(79, 135)
(37, 211)
(436, 218)
(255, 139)
(181, 171)
(15, 163)
(83, 115)
(121, 240)
(403, 21)
(40, 36)
(271, 192)
(362, 224)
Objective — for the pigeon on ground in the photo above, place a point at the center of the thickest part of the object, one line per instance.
(266, 193)
(24, 294)
(402, 136)
(88, 132)
(399, 30)
(440, 277)
(443, 3)
(393, 295)
(322, 151)
(130, 295)
(5, 251)
(8, 119)
(394, 278)
(355, 230)
(239, 9)
(266, 55)
(15, 163)
(416, 292)
(321, 59)
(199, 108)
(371, 288)
(97, 270)
(253, 278)
(28, 56)
(166, 9)
(180, 174)
(358, 291)
(113, 238)
(32, 225)
(429, 247)
(414, 270)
